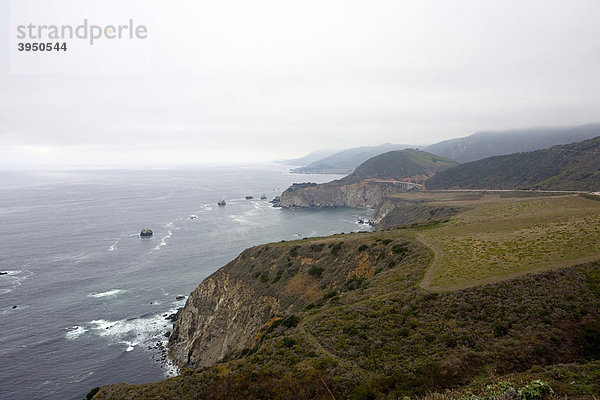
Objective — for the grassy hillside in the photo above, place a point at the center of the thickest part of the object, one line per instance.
(566, 167)
(398, 165)
(481, 145)
(366, 324)
(344, 162)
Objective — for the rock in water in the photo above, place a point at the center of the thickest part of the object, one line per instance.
(172, 317)
(221, 202)
(263, 196)
(3, 273)
(249, 197)
(146, 232)
(276, 201)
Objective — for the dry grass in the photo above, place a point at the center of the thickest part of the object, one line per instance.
(497, 240)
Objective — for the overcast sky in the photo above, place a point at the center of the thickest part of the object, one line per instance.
(255, 80)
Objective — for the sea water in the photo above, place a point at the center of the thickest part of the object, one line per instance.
(84, 299)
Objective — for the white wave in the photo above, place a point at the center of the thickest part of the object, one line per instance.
(74, 332)
(11, 273)
(163, 241)
(12, 279)
(113, 246)
(143, 332)
(239, 219)
(113, 292)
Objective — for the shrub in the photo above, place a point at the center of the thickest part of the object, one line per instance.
(399, 249)
(536, 390)
(278, 277)
(500, 329)
(329, 295)
(316, 247)
(294, 251)
(354, 283)
(336, 248)
(316, 271)
(589, 341)
(386, 241)
(362, 247)
(291, 321)
(264, 277)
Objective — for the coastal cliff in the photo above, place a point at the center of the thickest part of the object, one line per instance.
(389, 173)
(230, 311)
(221, 318)
(363, 194)
(390, 313)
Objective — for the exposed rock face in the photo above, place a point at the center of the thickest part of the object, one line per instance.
(233, 308)
(221, 317)
(366, 193)
(398, 212)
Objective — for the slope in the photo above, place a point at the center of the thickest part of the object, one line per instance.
(481, 145)
(385, 174)
(354, 322)
(345, 161)
(574, 166)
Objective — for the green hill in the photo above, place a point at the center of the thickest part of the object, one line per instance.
(374, 179)
(481, 145)
(398, 165)
(573, 166)
(344, 162)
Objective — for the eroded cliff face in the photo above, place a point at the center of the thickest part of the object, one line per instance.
(231, 310)
(394, 212)
(221, 318)
(364, 194)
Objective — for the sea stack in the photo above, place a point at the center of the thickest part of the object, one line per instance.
(146, 232)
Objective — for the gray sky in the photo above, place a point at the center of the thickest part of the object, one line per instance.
(260, 80)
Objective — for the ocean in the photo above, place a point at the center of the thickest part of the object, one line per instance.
(84, 299)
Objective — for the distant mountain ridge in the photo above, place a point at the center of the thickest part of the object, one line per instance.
(310, 157)
(574, 166)
(481, 145)
(344, 162)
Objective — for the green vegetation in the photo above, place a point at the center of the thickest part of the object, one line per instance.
(398, 165)
(316, 271)
(573, 166)
(481, 145)
(366, 324)
(502, 238)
